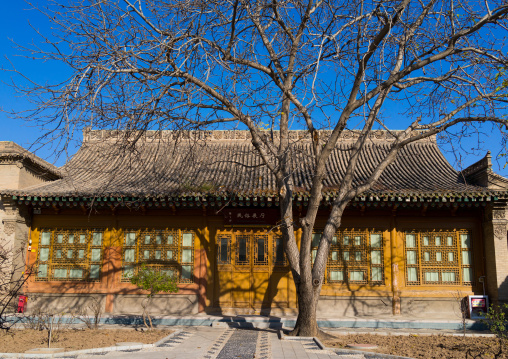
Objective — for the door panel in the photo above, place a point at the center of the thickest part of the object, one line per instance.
(250, 270)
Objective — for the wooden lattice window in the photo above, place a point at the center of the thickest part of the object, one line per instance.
(70, 255)
(279, 257)
(168, 251)
(260, 250)
(356, 256)
(224, 249)
(242, 250)
(438, 257)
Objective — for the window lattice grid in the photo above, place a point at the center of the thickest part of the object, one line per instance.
(242, 250)
(70, 255)
(279, 255)
(164, 250)
(438, 257)
(356, 256)
(223, 249)
(158, 247)
(260, 250)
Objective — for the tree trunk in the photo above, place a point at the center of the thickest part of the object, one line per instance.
(306, 323)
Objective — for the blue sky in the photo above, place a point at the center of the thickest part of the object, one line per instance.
(15, 25)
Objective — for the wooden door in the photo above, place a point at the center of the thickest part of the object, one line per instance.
(251, 271)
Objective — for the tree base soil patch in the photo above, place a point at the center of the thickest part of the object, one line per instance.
(424, 346)
(19, 341)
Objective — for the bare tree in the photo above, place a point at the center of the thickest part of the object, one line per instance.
(279, 65)
(12, 261)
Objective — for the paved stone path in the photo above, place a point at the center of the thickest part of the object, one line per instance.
(225, 343)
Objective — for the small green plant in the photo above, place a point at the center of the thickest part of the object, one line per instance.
(495, 319)
(154, 282)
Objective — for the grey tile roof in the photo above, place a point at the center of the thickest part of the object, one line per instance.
(165, 167)
(12, 151)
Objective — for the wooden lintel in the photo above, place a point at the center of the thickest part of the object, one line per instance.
(55, 208)
(424, 209)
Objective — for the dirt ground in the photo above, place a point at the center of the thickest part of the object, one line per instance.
(19, 341)
(420, 346)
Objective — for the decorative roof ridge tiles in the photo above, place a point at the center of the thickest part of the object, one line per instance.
(93, 136)
(10, 150)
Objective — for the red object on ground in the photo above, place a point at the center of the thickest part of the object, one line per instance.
(22, 303)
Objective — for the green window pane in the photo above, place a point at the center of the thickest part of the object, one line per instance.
(448, 276)
(70, 239)
(377, 274)
(439, 257)
(43, 271)
(467, 274)
(426, 241)
(358, 240)
(147, 239)
(345, 240)
(168, 272)
(186, 255)
(146, 254)
(187, 240)
(336, 275)
(411, 257)
(449, 241)
(186, 272)
(170, 239)
(169, 255)
(375, 257)
(334, 240)
(44, 254)
(157, 254)
(82, 238)
(412, 275)
(81, 254)
(432, 276)
(95, 270)
(60, 273)
(356, 275)
(335, 255)
(316, 237)
(129, 255)
(58, 253)
(450, 256)
(466, 258)
(158, 239)
(346, 256)
(314, 254)
(69, 253)
(128, 271)
(438, 241)
(76, 273)
(96, 255)
(375, 240)
(59, 238)
(130, 239)
(97, 239)
(426, 257)
(358, 256)
(45, 238)
(465, 241)
(410, 241)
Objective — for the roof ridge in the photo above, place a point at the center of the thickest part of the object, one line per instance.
(90, 135)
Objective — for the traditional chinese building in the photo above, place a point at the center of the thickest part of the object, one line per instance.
(203, 208)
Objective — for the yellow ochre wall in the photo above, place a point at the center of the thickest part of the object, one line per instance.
(205, 287)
